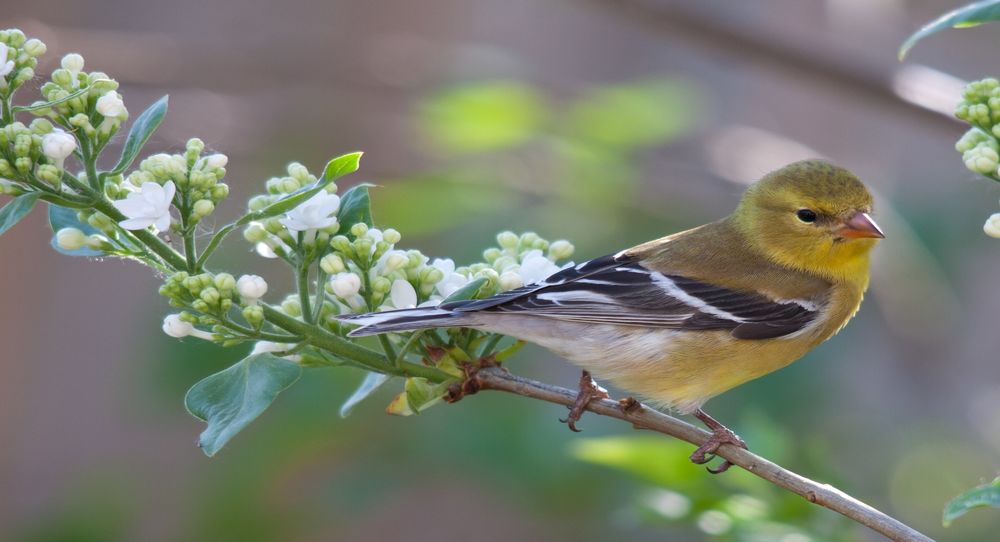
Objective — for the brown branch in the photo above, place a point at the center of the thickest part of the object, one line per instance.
(644, 417)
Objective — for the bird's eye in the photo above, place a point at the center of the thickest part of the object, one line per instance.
(806, 215)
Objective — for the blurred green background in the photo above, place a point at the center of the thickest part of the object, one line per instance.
(605, 122)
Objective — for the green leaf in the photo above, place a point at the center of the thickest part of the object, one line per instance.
(42, 105)
(465, 292)
(372, 382)
(336, 168)
(355, 206)
(421, 394)
(964, 17)
(229, 400)
(142, 128)
(978, 497)
(13, 212)
(62, 217)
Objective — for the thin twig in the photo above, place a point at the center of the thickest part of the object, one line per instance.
(495, 378)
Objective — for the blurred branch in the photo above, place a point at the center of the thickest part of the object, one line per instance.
(821, 64)
(643, 417)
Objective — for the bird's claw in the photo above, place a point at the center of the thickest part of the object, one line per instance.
(720, 435)
(589, 390)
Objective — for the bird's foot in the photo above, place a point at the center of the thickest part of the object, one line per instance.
(589, 390)
(720, 435)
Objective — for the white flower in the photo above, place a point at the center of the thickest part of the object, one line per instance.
(535, 267)
(452, 281)
(346, 285)
(251, 288)
(111, 105)
(265, 250)
(177, 328)
(992, 225)
(268, 347)
(402, 295)
(70, 239)
(57, 146)
(6, 66)
(313, 214)
(150, 206)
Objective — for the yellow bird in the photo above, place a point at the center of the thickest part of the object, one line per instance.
(681, 319)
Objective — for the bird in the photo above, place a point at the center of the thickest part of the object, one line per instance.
(684, 318)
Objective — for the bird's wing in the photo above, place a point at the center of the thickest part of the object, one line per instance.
(619, 290)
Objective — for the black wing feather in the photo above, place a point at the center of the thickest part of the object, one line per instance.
(618, 289)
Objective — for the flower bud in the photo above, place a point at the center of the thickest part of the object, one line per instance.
(202, 208)
(395, 260)
(359, 229)
(992, 225)
(491, 254)
(255, 233)
(289, 185)
(291, 306)
(981, 159)
(224, 282)
(34, 47)
(510, 280)
(216, 161)
(254, 315)
(257, 203)
(57, 146)
(391, 236)
(341, 243)
(70, 239)
(332, 264)
(111, 105)
(63, 78)
(175, 327)
(507, 239)
(560, 250)
(210, 295)
(251, 288)
(72, 63)
(346, 285)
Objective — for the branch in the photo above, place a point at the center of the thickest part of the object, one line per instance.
(644, 417)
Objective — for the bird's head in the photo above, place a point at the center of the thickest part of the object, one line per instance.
(811, 215)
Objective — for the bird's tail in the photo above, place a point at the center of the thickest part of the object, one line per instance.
(374, 323)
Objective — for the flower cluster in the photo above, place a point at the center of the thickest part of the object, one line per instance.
(18, 59)
(32, 156)
(311, 223)
(980, 146)
(86, 103)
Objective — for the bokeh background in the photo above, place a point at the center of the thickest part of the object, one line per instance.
(606, 122)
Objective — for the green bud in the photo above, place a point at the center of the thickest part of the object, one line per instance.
(391, 236)
(23, 164)
(380, 248)
(34, 47)
(210, 295)
(254, 315)
(507, 239)
(6, 170)
(359, 229)
(560, 250)
(332, 264)
(202, 208)
(381, 285)
(255, 233)
(63, 78)
(259, 202)
(289, 185)
(291, 307)
(431, 275)
(491, 254)
(225, 282)
(220, 191)
(363, 247)
(41, 126)
(50, 174)
(341, 243)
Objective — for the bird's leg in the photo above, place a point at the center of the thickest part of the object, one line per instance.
(720, 435)
(589, 390)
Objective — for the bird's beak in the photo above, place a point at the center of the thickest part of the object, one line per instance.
(861, 226)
